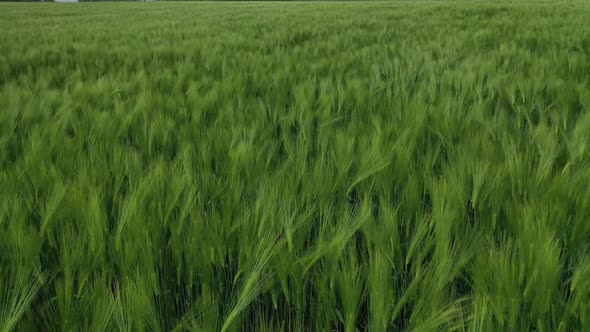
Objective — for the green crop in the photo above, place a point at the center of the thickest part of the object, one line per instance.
(327, 166)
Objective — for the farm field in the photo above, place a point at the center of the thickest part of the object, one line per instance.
(299, 166)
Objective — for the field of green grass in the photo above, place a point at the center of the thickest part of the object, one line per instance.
(357, 166)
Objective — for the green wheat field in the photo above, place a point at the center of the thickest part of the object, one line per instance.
(300, 166)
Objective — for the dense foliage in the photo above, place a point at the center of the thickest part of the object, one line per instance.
(382, 166)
